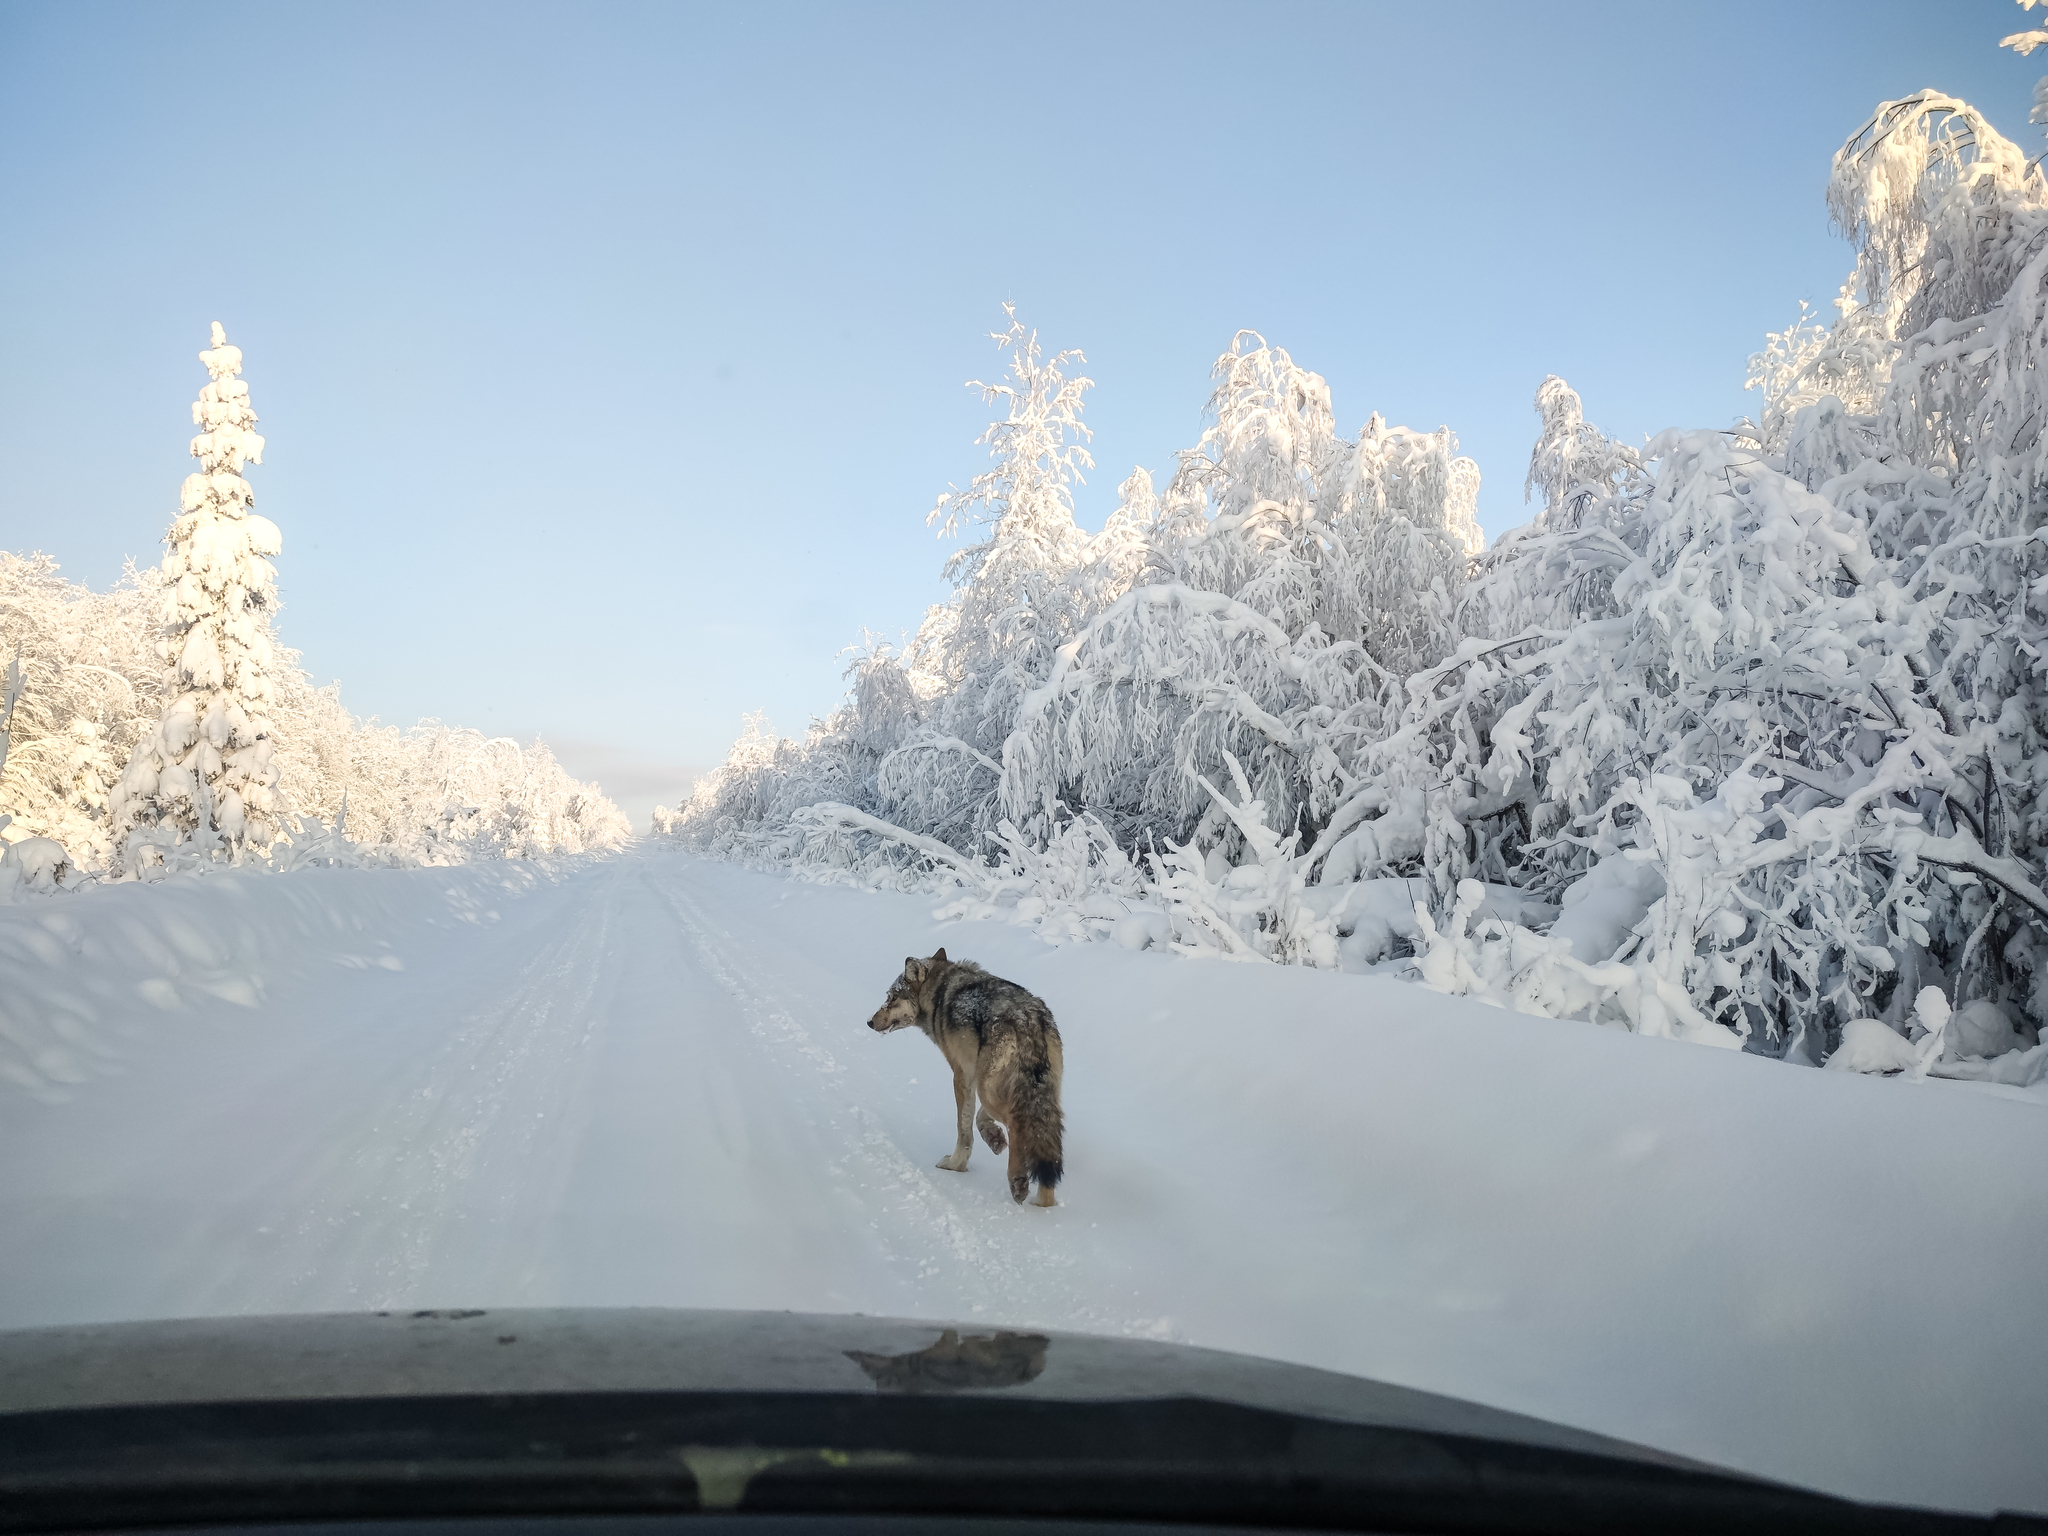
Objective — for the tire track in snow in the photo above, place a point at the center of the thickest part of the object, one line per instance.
(476, 1136)
(1016, 1265)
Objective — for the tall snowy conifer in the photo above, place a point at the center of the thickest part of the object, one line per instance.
(204, 777)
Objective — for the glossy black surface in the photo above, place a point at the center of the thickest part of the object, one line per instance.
(491, 1416)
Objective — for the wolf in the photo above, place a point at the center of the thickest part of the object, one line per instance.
(1003, 1045)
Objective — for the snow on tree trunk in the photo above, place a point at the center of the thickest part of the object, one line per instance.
(204, 780)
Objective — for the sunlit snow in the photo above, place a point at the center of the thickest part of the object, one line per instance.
(648, 1080)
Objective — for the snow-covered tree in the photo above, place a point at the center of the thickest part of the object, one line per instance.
(1116, 557)
(439, 794)
(1807, 362)
(1018, 591)
(11, 682)
(1120, 681)
(315, 741)
(93, 687)
(1294, 577)
(1403, 519)
(1777, 703)
(205, 777)
(1724, 640)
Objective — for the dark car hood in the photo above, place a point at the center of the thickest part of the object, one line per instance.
(569, 1349)
(455, 1415)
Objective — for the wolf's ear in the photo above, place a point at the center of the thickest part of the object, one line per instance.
(913, 969)
(939, 958)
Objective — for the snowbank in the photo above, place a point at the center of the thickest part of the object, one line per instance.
(86, 976)
(1871, 1045)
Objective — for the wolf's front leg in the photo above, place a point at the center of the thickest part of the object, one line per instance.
(963, 1105)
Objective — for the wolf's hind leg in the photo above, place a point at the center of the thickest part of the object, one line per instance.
(963, 1106)
(991, 1131)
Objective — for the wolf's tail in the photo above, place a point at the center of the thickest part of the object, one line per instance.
(1037, 1122)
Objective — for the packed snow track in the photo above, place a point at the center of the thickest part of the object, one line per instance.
(646, 1080)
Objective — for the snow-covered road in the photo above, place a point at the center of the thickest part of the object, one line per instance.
(647, 1080)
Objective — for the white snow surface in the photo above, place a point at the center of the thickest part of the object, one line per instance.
(647, 1080)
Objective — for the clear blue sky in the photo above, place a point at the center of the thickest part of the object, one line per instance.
(610, 356)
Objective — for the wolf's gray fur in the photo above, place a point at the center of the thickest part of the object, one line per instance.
(1003, 1046)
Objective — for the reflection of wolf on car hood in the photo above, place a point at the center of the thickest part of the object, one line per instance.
(954, 1364)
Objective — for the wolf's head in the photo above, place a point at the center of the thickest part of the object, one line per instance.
(899, 1008)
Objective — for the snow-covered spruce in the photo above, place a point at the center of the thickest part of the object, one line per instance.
(203, 782)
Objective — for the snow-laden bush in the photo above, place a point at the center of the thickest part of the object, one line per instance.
(1742, 740)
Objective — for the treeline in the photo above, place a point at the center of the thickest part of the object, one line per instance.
(160, 725)
(1740, 739)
